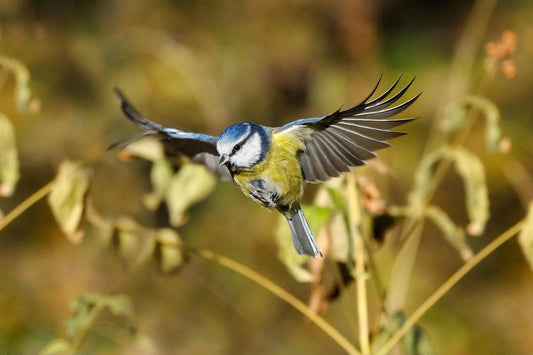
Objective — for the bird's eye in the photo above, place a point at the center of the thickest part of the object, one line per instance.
(236, 148)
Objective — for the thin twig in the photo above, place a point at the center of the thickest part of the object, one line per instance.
(27, 203)
(446, 286)
(360, 273)
(282, 294)
(80, 335)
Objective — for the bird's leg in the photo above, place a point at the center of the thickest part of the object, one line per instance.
(261, 192)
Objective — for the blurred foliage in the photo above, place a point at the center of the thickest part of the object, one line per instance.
(202, 65)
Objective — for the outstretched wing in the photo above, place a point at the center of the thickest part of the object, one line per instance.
(200, 148)
(346, 138)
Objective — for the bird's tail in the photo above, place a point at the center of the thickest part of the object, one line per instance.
(302, 236)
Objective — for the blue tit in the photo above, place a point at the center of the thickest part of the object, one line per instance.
(270, 165)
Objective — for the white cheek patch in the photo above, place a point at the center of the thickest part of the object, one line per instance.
(249, 154)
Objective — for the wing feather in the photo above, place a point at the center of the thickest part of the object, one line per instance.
(346, 138)
(200, 148)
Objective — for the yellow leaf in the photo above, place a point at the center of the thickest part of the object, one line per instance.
(67, 196)
(453, 233)
(170, 252)
(147, 148)
(191, 184)
(57, 346)
(9, 164)
(134, 242)
(472, 172)
(160, 176)
(22, 79)
(525, 238)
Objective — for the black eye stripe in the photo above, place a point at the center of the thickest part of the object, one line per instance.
(236, 148)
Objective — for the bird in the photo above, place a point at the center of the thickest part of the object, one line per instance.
(271, 164)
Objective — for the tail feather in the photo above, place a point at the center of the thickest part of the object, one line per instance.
(302, 236)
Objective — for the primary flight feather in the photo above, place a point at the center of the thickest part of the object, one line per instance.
(270, 165)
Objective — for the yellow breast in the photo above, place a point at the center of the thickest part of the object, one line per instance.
(280, 167)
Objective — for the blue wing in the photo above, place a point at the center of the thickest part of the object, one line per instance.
(346, 138)
(200, 148)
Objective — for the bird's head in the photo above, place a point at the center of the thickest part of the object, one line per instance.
(243, 145)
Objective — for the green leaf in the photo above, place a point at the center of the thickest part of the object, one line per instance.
(453, 233)
(316, 216)
(170, 251)
(472, 172)
(340, 248)
(134, 243)
(415, 341)
(57, 347)
(66, 199)
(525, 238)
(492, 118)
(80, 317)
(121, 306)
(22, 79)
(191, 184)
(454, 116)
(160, 176)
(9, 163)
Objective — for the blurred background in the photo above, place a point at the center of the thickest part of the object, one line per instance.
(202, 65)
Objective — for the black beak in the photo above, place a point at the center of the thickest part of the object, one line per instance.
(223, 159)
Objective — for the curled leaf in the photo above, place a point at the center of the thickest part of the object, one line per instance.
(456, 114)
(525, 238)
(191, 184)
(66, 199)
(22, 79)
(121, 306)
(472, 172)
(169, 250)
(133, 242)
(57, 346)
(424, 175)
(9, 164)
(80, 312)
(160, 176)
(453, 233)
(493, 134)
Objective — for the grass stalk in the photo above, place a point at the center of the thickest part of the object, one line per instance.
(27, 203)
(360, 273)
(282, 294)
(446, 286)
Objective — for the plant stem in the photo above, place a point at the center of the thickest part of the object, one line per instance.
(282, 294)
(360, 273)
(80, 335)
(27, 203)
(446, 286)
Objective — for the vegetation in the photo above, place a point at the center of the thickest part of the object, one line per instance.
(415, 253)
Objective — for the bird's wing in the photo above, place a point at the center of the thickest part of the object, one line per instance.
(200, 148)
(346, 138)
